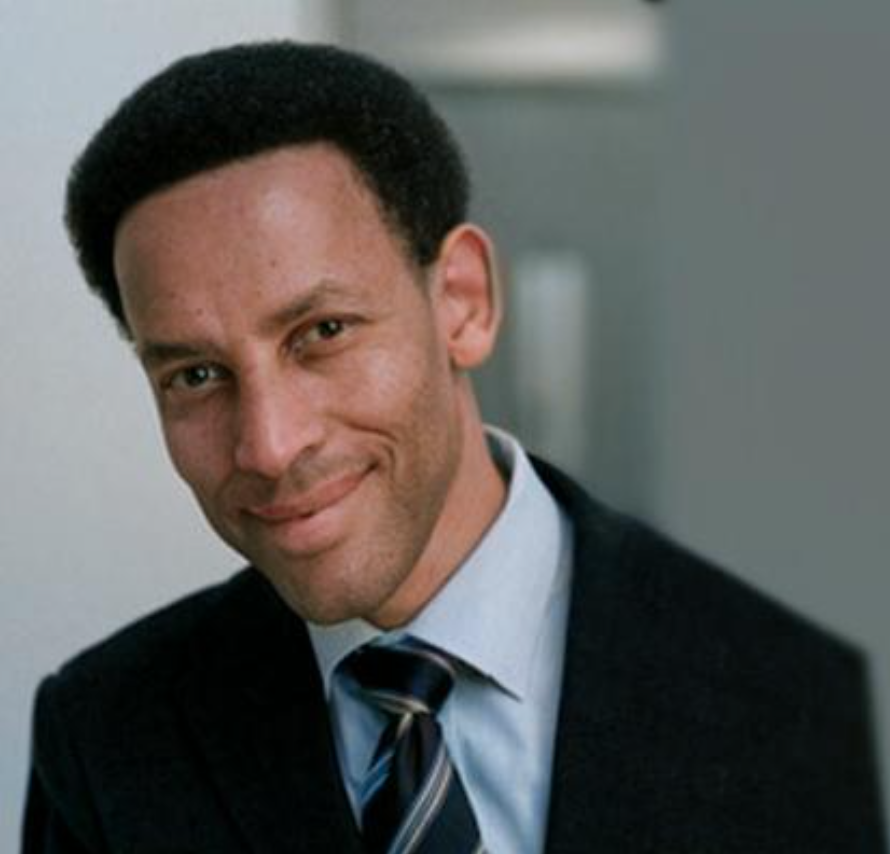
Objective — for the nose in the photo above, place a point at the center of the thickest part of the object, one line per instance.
(276, 422)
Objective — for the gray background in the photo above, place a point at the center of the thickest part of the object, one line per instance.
(734, 215)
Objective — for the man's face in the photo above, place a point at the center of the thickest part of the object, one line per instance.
(304, 372)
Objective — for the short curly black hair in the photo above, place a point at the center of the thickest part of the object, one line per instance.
(213, 108)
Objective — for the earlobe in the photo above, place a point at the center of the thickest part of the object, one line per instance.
(468, 297)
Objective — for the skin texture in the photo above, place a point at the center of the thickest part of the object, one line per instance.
(310, 379)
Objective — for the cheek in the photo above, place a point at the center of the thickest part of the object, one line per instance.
(406, 372)
(398, 392)
(197, 449)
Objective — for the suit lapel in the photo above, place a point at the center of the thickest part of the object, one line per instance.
(612, 757)
(255, 706)
(587, 715)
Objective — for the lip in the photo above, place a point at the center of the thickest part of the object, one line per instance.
(322, 497)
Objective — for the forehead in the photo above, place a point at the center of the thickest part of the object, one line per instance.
(280, 220)
(263, 184)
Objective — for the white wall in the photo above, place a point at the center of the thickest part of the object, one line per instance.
(94, 528)
(773, 389)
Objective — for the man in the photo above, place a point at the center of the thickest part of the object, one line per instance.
(440, 645)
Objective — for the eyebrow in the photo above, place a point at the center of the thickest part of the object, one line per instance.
(152, 354)
(156, 353)
(315, 298)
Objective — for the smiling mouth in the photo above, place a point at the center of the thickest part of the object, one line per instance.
(322, 497)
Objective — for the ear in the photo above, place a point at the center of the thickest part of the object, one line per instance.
(466, 298)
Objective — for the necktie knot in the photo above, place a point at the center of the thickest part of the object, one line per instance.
(406, 678)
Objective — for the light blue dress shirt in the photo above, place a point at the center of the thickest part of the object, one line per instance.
(503, 615)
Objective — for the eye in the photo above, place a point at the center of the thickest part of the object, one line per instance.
(194, 377)
(319, 337)
(326, 329)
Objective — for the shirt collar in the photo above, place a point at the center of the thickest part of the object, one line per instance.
(490, 614)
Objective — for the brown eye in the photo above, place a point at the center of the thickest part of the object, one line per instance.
(194, 377)
(197, 376)
(324, 330)
(313, 340)
(329, 329)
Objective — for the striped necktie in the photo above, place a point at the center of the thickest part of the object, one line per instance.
(412, 801)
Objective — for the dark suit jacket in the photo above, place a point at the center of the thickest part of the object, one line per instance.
(696, 718)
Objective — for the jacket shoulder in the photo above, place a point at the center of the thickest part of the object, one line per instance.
(651, 570)
(151, 648)
(713, 605)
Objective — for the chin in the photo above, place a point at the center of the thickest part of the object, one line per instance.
(323, 610)
(324, 599)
